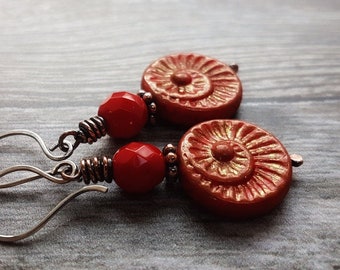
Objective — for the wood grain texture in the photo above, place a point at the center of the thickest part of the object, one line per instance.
(60, 59)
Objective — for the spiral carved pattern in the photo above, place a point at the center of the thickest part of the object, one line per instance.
(193, 82)
(256, 168)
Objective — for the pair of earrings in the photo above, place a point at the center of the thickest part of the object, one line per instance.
(231, 167)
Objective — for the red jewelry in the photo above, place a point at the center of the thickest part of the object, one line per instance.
(191, 88)
(183, 89)
(138, 167)
(231, 167)
(125, 114)
(234, 168)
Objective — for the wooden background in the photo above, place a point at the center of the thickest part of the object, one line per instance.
(60, 59)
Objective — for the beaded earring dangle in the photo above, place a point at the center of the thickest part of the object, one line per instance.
(231, 167)
(136, 168)
(182, 89)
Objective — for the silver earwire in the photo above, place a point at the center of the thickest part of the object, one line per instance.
(63, 172)
(67, 171)
(54, 211)
(64, 145)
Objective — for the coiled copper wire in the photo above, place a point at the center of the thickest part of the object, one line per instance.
(96, 170)
(92, 129)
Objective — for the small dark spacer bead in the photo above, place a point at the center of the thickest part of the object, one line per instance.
(171, 158)
(152, 120)
(172, 174)
(147, 97)
(169, 148)
(152, 107)
(141, 93)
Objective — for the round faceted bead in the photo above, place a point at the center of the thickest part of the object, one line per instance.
(125, 114)
(138, 167)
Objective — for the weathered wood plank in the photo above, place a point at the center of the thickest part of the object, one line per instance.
(60, 59)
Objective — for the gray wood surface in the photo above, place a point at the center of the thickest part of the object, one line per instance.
(60, 59)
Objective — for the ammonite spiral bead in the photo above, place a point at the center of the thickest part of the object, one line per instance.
(191, 88)
(234, 168)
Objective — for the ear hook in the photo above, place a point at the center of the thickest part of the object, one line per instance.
(54, 211)
(67, 170)
(64, 145)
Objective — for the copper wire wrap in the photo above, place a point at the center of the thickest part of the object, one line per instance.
(96, 170)
(171, 161)
(150, 104)
(92, 129)
(89, 132)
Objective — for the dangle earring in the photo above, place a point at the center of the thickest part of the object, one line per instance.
(182, 89)
(136, 168)
(231, 167)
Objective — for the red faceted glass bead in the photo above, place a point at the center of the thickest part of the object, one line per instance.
(125, 114)
(138, 167)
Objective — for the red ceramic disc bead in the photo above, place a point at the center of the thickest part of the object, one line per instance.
(125, 114)
(191, 88)
(234, 168)
(138, 167)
